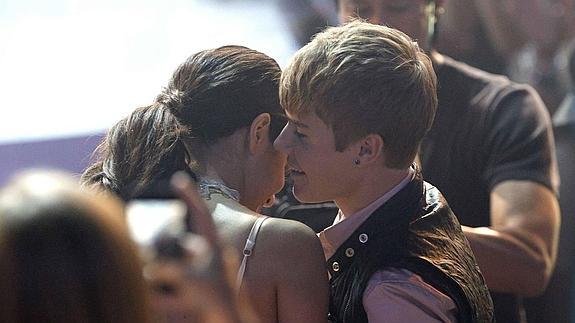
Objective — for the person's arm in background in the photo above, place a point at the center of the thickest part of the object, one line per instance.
(517, 253)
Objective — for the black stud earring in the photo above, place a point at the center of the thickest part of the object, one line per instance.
(356, 161)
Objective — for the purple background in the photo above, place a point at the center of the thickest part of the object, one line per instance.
(70, 154)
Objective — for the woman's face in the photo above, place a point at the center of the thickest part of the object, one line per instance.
(272, 172)
(265, 170)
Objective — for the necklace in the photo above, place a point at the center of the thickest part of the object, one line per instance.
(209, 186)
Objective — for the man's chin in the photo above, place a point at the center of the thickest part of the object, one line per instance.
(304, 196)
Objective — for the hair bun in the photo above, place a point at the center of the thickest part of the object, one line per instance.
(171, 98)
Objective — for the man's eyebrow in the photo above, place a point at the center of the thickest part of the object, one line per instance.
(298, 123)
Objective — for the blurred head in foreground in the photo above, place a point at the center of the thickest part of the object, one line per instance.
(65, 254)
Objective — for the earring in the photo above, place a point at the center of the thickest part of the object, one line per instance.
(356, 161)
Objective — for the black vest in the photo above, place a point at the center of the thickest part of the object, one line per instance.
(415, 230)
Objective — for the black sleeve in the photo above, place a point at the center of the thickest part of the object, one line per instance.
(519, 141)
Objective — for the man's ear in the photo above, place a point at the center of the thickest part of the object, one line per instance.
(259, 133)
(370, 149)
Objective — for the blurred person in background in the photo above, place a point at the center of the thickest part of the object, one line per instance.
(556, 304)
(305, 18)
(217, 120)
(522, 39)
(66, 255)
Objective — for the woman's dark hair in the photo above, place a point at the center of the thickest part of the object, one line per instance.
(216, 92)
(66, 255)
(138, 152)
(211, 95)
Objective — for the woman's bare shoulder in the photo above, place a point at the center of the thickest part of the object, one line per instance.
(281, 231)
(287, 240)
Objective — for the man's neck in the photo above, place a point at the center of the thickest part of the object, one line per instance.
(369, 188)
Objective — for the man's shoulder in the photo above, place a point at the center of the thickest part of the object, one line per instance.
(434, 199)
(483, 101)
(449, 67)
(452, 73)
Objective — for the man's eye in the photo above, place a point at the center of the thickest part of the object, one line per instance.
(300, 135)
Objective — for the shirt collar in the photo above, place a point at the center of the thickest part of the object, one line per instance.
(336, 234)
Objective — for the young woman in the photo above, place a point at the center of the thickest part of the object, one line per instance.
(217, 119)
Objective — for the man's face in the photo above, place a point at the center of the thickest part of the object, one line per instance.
(409, 16)
(319, 172)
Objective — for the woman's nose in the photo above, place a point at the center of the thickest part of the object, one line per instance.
(281, 142)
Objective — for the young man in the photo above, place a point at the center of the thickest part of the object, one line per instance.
(360, 98)
(491, 152)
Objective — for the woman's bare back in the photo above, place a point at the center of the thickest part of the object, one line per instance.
(285, 278)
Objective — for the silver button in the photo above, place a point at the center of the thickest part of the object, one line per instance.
(349, 252)
(363, 238)
(335, 266)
